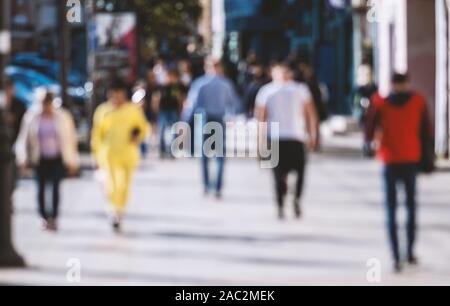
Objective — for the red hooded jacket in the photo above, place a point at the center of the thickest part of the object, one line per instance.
(401, 119)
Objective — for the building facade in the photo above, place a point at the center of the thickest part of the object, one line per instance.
(314, 31)
(420, 48)
(443, 77)
(36, 29)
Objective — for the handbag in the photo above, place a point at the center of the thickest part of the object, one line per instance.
(427, 164)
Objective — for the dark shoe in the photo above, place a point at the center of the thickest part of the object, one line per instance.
(117, 227)
(398, 268)
(52, 226)
(413, 261)
(298, 209)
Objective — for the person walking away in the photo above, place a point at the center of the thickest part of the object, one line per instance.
(365, 91)
(289, 104)
(150, 108)
(119, 129)
(15, 109)
(48, 143)
(308, 77)
(245, 70)
(14, 112)
(160, 71)
(170, 99)
(259, 80)
(185, 70)
(401, 118)
(213, 96)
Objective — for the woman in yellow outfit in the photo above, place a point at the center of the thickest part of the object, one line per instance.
(119, 129)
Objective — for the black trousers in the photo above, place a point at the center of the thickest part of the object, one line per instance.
(405, 174)
(50, 173)
(292, 159)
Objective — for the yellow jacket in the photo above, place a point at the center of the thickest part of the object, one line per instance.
(112, 133)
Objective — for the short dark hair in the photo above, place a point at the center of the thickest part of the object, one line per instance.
(48, 98)
(400, 78)
(9, 83)
(174, 72)
(281, 64)
(118, 84)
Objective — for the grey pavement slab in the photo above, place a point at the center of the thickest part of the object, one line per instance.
(175, 236)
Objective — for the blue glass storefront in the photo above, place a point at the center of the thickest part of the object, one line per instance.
(311, 29)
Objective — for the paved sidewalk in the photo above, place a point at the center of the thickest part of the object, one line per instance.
(174, 236)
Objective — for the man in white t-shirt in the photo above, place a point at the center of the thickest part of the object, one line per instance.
(289, 104)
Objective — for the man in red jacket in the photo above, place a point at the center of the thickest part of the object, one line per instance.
(400, 118)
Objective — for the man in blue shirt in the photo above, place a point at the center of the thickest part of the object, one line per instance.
(212, 96)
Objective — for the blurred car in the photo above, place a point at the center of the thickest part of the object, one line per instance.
(28, 80)
(48, 68)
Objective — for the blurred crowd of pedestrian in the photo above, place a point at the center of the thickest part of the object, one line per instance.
(286, 93)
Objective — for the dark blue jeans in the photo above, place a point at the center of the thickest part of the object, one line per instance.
(166, 120)
(219, 156)
(405, 174)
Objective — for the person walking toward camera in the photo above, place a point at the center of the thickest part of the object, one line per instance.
(289, 104)
(118, 131)
(48, 143)
(402, 119)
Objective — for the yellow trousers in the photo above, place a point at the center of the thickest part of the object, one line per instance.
(114, 150)
(118, 182)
